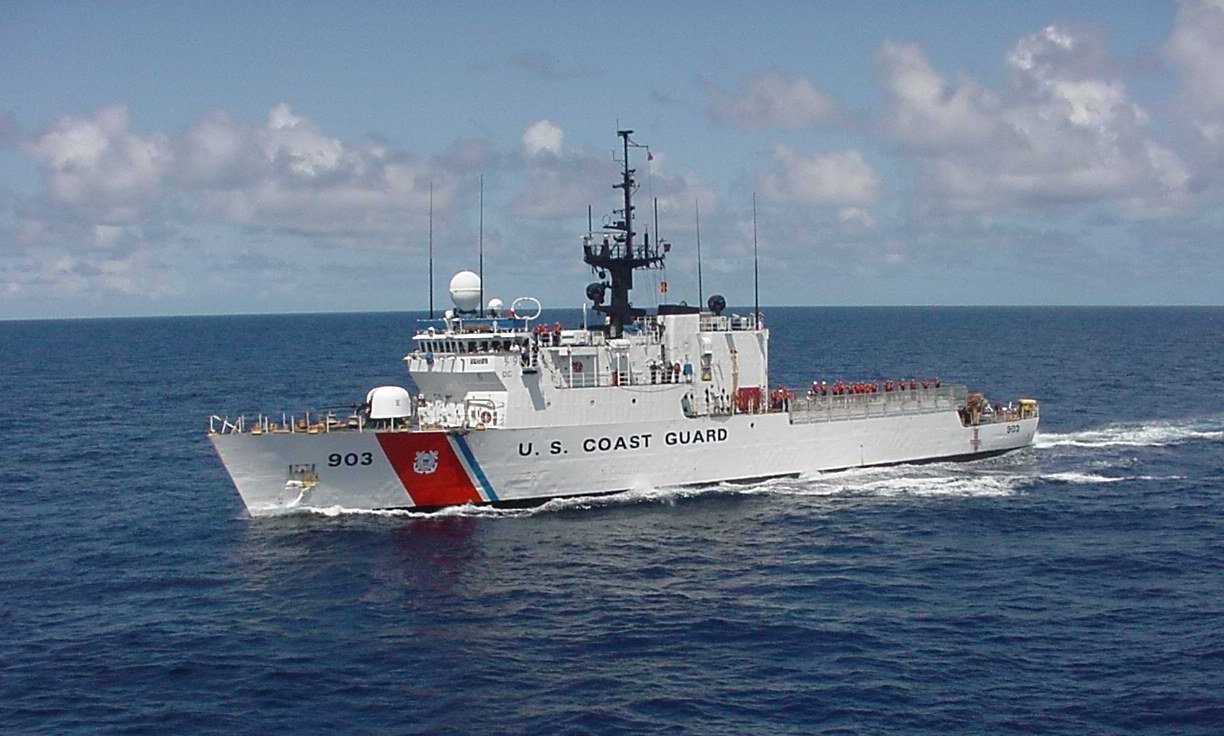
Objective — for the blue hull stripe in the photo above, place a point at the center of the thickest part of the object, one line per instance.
(470, 459)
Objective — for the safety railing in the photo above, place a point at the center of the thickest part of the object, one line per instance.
(727, 323)
(306, 423)
(810, 409)
(591, 379)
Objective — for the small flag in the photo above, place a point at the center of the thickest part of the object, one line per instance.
(649, 155)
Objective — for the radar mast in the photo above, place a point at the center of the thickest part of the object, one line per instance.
(614, 256)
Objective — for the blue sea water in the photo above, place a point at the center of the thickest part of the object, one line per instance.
(1075, 587)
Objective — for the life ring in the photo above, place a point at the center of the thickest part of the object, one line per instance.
(486, 417)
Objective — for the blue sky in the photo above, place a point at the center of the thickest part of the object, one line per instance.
(203, 158)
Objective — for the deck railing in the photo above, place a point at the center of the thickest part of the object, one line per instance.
(590, 379)
(727, 323)
(806, 410)
(307, 423)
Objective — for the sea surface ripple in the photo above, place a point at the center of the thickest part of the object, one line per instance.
(1073, 587)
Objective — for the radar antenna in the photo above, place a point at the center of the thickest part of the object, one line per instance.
(614, 253)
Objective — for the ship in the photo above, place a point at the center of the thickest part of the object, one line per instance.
(508, 410)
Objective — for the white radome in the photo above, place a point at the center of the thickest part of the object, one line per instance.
(495, 306)
(389, 402)
(465, 291)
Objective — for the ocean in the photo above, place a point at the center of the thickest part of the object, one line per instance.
(1073, 587)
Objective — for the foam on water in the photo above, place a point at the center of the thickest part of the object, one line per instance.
(1156, 434)
(936, 480)
(1072, 476)
(623, 498)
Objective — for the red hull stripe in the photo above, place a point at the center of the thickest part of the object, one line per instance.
(428, 467)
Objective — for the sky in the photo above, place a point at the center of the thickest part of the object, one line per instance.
(209, 158)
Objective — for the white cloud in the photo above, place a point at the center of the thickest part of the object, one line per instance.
(119, 202)
(114, 196)
(1064, 129)
(1196, 48)
(839, 178)
(286, 175)
(49, 257)
(542, 136)
(100, 165)
(771, 100)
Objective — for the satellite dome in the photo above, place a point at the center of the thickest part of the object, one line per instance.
(495, 306)
(389, 402)
(465, 291)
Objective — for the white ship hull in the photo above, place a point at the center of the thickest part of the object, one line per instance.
(432, 469)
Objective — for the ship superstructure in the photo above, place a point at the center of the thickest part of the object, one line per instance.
(509, 409)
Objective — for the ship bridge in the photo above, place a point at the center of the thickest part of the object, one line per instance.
(679, 363)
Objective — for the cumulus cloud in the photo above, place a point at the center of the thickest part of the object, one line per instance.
(115, 197)
(542, 136)
(1196, 48)
(47, 255)
(98, 164)
(771, 100)
(286, 174)
(838, 178)
(119, 202)
(290, 175)
(1064, 129)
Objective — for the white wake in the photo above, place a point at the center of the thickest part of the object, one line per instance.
(1155, 434)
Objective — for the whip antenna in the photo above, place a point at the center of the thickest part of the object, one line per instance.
(431, 290)
(700, 291)
(756, 288)
(658, 238)
(481, 307)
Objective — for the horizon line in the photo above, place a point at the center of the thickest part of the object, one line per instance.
(186, 315)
